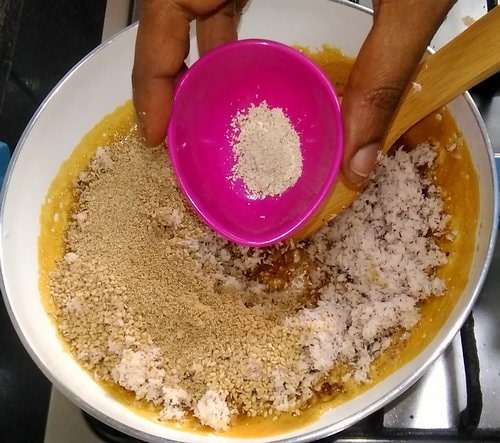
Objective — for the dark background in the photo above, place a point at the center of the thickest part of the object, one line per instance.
(40, 40)
(52, 36)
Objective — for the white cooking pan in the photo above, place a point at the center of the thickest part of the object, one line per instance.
(95, 87)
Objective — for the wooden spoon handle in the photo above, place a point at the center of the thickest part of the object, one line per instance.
(464, 62)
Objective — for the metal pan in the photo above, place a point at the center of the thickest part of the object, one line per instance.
(95, 87)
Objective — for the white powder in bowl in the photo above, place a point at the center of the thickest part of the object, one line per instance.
(267, 151)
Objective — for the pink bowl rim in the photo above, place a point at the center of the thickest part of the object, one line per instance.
(302, 220)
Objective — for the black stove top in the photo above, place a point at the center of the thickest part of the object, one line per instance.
(39, 42)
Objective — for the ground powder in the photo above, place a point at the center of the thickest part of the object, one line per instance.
(267, 151)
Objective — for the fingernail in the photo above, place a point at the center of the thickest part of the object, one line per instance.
(363, 162)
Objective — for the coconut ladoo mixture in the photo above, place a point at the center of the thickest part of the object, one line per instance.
(150, 299)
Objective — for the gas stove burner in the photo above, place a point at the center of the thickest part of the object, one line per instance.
(107, 433)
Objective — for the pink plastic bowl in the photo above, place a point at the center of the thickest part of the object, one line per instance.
(225, 81)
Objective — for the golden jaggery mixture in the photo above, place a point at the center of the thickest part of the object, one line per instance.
(149, 298)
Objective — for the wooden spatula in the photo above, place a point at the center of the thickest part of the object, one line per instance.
(464, 62)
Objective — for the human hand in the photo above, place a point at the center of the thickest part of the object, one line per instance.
(400, 34)
(162, 46)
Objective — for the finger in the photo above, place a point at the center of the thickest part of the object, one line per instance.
(220, 27)
(384, 66)
(161, 47)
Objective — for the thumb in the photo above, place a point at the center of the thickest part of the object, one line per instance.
(384, 66)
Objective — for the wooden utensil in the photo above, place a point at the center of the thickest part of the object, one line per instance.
(464, 62)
